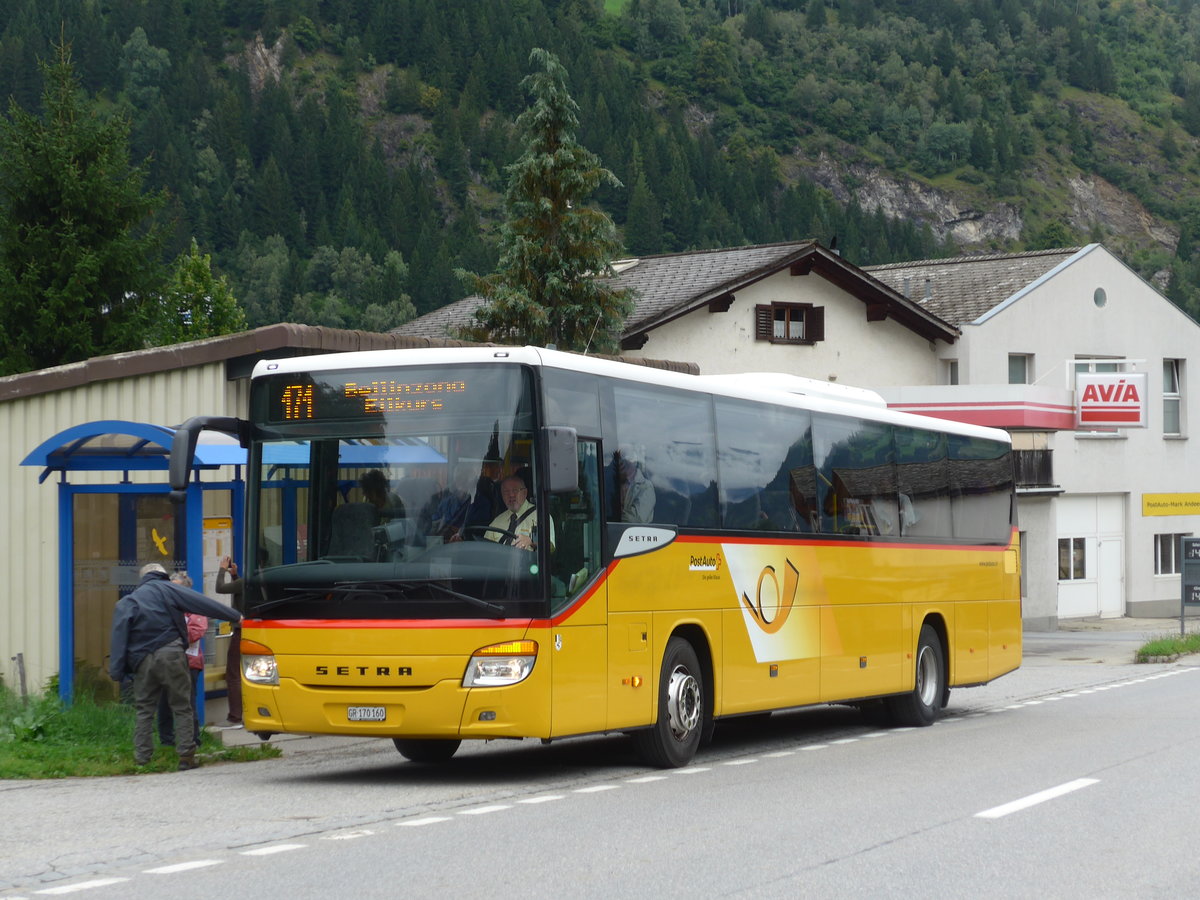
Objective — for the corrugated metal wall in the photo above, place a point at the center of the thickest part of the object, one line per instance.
(29, 519)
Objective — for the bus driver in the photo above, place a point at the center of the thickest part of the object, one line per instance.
(517, 525)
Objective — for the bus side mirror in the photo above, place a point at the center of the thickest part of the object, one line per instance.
(562, 459)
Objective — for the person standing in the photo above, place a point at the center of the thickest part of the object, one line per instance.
(149, 641)
(196, 626)
(229, 582)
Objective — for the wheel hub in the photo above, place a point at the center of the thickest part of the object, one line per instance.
(683, 703)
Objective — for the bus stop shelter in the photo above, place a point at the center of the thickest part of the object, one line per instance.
(115, 515)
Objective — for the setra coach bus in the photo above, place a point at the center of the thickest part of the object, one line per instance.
(689, 549)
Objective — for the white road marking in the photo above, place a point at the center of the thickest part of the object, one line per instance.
(646, 779)
(81, 886)
(691, 770)
(595, 789)
(184, 866)
(348, 835)
(274, 848)
(484, 810)
(738, 762)
(997, 812)
(417, 823)
(545, 798)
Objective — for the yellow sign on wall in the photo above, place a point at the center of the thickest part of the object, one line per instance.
(1171, 504)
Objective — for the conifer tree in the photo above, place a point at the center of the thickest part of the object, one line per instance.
(80, 264)
(554, 248)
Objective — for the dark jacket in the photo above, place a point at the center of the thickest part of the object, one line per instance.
(151, 616)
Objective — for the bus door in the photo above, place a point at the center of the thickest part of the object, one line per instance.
(578, 644)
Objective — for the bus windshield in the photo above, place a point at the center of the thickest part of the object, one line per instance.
(378, 495)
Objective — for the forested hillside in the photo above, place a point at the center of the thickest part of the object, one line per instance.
(340, 159)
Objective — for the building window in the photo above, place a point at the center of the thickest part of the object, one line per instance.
(1166, 553)
(1172, 395)
(951, 370)
(1020, 367)
(789, 323)
(1072, 559)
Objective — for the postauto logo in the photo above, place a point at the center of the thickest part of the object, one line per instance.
(704, 563)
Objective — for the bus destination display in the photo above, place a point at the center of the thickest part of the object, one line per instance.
(296, 400)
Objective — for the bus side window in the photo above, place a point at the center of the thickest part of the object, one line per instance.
(856, 476)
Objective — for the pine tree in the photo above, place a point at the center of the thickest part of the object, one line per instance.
(80, 263)
(554, 249)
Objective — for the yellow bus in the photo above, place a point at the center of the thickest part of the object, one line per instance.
(482, 543)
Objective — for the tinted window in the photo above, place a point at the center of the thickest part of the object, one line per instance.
(856, 476)
(923, 479)
(572, 399)
(981, 484)
(764, 455)
(670, 437)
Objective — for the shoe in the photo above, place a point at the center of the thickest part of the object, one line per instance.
(141, 763)
(232, 723)
(188, 762)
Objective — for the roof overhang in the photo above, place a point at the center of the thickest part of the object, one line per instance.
(881, 301)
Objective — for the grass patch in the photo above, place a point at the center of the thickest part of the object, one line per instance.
(1168, 646)
(42, 738)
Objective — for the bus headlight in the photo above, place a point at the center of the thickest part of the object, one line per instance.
(501, 664)
(258, 663)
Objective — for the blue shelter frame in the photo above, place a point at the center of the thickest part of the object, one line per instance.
(114, 445)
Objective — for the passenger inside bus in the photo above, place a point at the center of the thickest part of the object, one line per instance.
(636, 491)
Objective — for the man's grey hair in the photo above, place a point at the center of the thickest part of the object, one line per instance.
(151, 567)
(181, 577)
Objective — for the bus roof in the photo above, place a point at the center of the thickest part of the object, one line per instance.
(770, 387)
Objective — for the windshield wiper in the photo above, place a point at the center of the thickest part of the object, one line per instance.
(292, 595)
(404, 589)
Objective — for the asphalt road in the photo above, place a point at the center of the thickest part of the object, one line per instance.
(812, 803)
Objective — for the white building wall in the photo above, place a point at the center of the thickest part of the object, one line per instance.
(29, 521)
(1057, 320)
(854, 352)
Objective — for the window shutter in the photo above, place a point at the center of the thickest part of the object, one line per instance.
(814, 324)
(763, 322)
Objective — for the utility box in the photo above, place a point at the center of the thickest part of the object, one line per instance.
(1189, 555)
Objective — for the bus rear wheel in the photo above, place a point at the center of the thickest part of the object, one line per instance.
(432, 751)
(923, 704)
(672, 740)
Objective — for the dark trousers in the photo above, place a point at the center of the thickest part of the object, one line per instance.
(166, 719)
(163, 671)
(233, 674)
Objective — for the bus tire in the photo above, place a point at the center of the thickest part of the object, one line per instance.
(672, 740)
(431, 751)
(922, 705)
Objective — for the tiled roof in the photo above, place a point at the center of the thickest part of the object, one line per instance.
(961, 289)
(667, 283)
(673, 284)
(444, 322)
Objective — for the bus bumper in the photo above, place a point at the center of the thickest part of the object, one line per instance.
(443, 710)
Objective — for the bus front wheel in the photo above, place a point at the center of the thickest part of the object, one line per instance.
(922, 705)
(672, 740)
(431, 751)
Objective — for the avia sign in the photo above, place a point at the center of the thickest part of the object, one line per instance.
(1110, 400)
